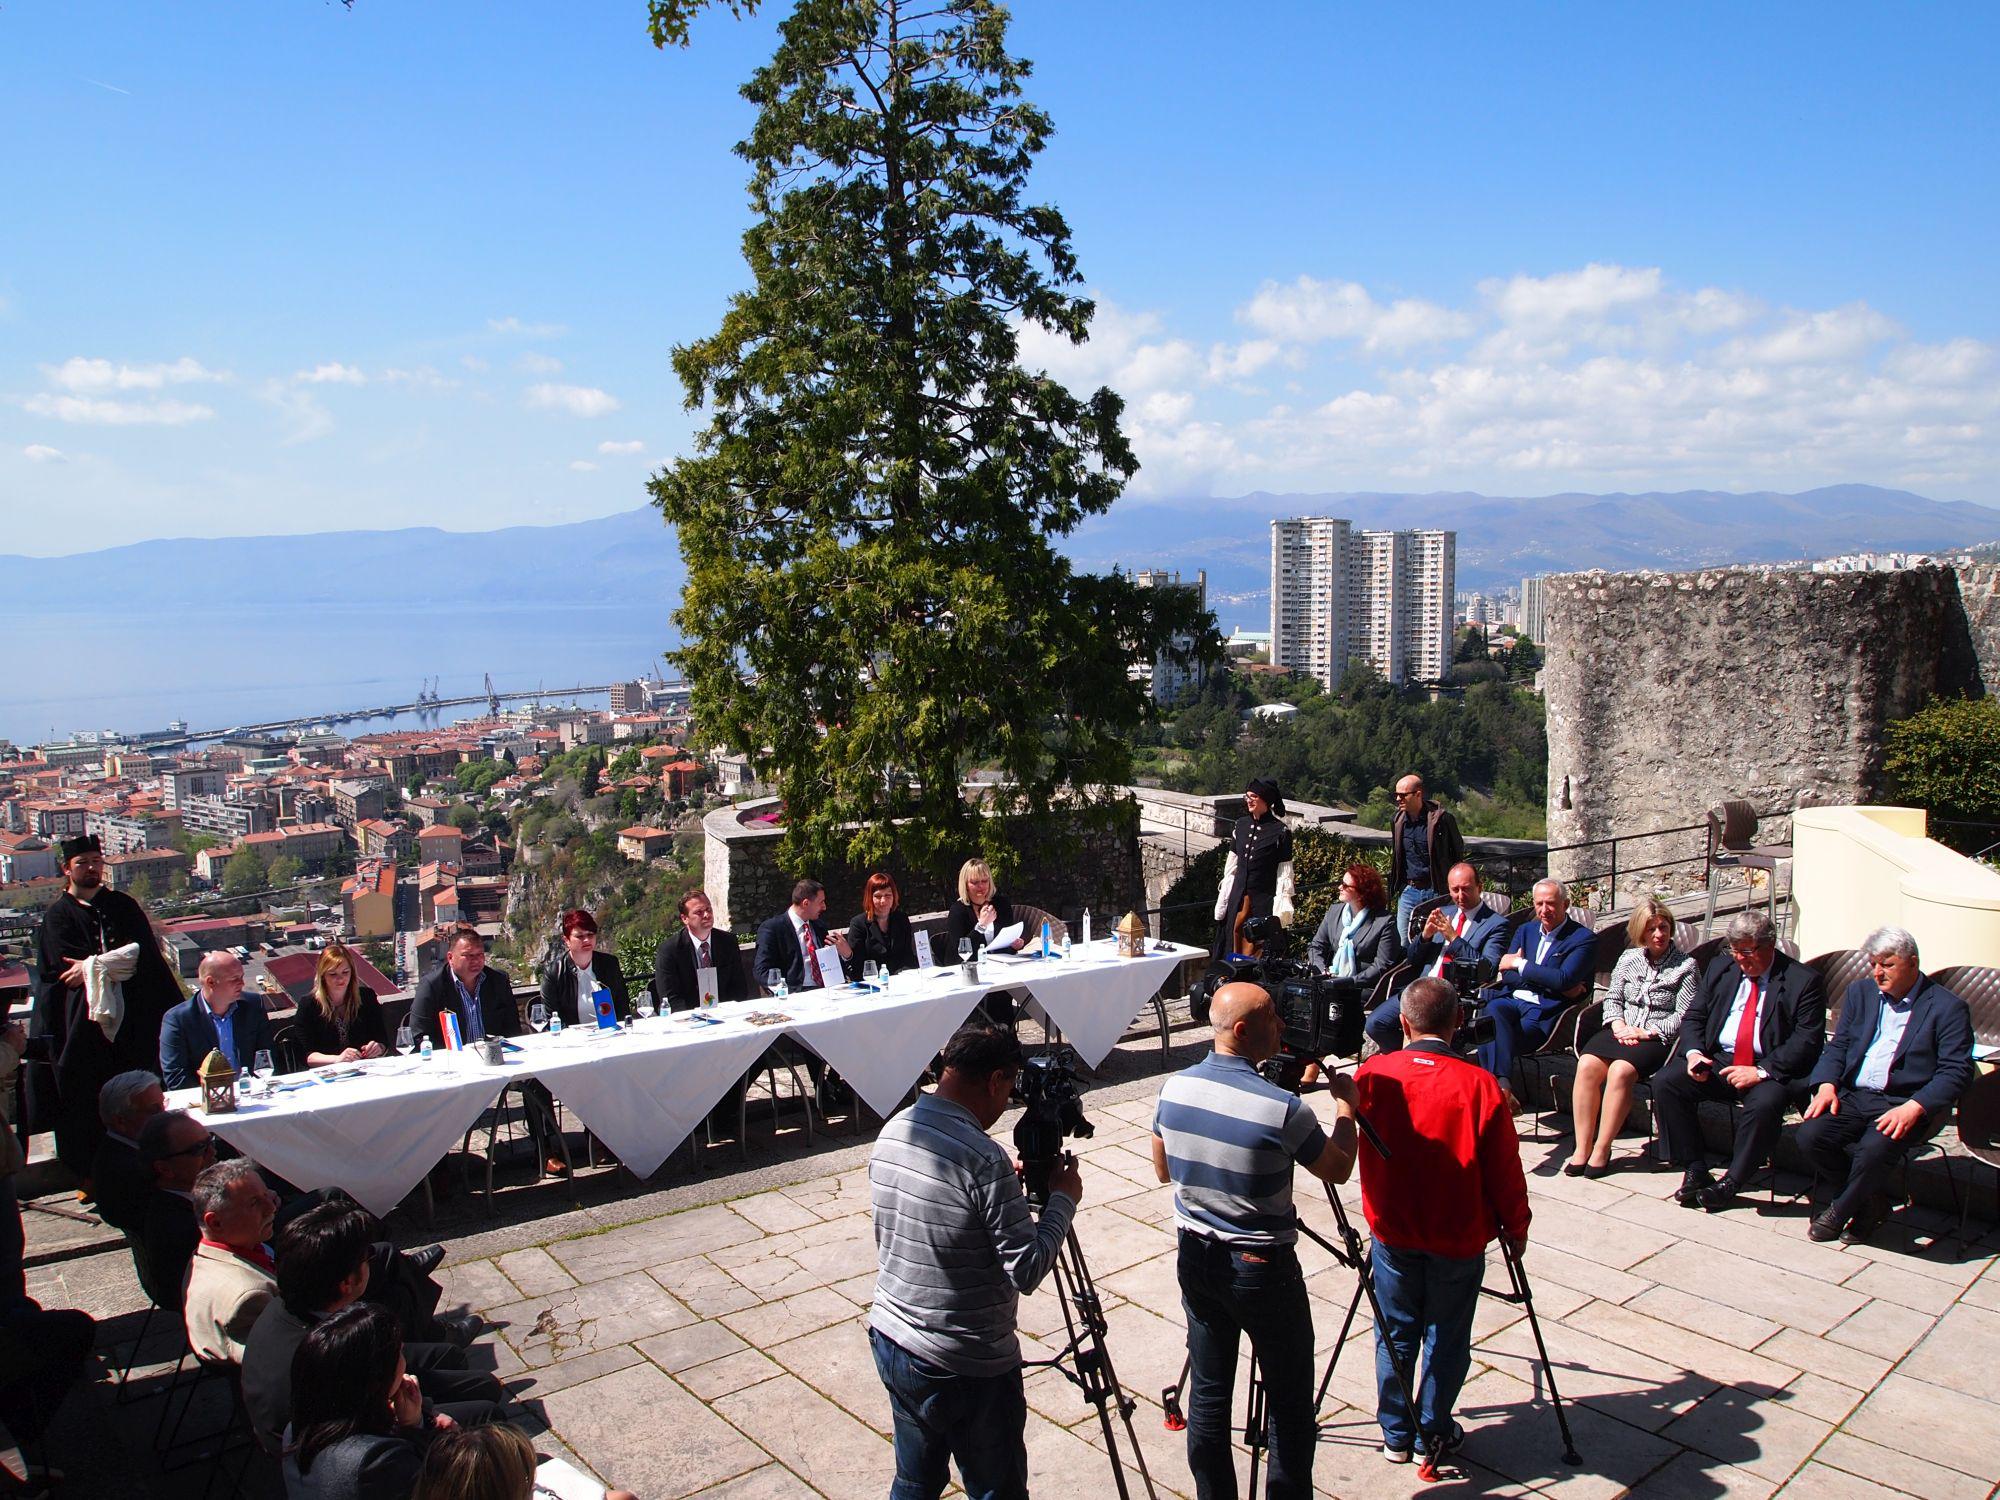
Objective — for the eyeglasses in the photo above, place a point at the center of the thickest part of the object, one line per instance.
(1751, 952)
(206, 1143)
(1347, 885)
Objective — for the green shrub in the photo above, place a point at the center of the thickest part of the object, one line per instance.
(1946, 759)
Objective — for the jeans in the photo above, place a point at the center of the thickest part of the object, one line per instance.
(1429, 1299)
(979, 1420)
(1227, 1291)
(1411, 898)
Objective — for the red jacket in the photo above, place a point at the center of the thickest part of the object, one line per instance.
(1454, 1173)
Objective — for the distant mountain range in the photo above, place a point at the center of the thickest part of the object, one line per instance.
(633, 556)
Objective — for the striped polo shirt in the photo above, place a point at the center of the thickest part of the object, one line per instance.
(955, 1239)
(1231, 1137)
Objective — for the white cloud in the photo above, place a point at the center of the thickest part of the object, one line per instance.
(1309, 311)
(1839, 333)
(41, 453)
(1591, 294)
(421, 378)
(474, 363)
(534, 363)
(95, 375)
(582, 466)
(1241, 361)
(577, 400)
(608, 446)
(515, 326)
(333, 373)
(97, 411)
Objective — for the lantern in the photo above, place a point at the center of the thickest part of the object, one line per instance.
(218, 1084)
(1131, 935)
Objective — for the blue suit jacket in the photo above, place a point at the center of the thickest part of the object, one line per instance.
(1569, 967)
(187, 1035)
(1933, 1063)
(1485, 938)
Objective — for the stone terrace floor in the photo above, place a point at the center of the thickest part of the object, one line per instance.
(709, 1339)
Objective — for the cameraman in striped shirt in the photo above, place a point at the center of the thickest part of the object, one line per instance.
(1227, 1138)
(957, 1247)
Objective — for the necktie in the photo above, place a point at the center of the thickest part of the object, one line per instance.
(703, 964)
(1746, 1031)
(1444, 957)
(812, 957)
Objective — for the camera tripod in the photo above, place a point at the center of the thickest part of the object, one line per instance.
(1085, 1359)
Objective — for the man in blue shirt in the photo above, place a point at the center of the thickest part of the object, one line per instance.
(1227, 1138)
(1898, 1061)
(213, 1021)
(1547, 970)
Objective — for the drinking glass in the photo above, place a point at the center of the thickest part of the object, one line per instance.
(774, 983)
(868, 972)
(538, 1016)
(645, 1010)
(965, 950)
(404, 1040)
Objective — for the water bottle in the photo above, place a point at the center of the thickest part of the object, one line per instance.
(424, 1051)
(555, 1023)
(1086, 927)
(1045, 939)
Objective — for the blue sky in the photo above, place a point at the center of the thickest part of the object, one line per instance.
(293, 267)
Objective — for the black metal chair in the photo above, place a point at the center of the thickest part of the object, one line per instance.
(1732, 834)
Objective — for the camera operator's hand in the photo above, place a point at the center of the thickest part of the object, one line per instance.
(1066, 1179)
(1341, 1086)
(1519, 1246)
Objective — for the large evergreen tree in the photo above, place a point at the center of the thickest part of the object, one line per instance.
(867, 520)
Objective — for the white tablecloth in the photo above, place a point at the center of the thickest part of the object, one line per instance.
(641, 1091)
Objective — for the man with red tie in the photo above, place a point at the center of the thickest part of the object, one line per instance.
(1751, 1038)
(790, 942)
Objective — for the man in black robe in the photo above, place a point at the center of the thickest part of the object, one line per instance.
(78, 1059)
(1259, 864)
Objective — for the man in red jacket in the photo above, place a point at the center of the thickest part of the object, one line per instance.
(1451, 1179)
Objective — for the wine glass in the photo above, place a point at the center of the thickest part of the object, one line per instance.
(645, 1008)
(538, 1016)
(869, 969)
(404, 1039)
(774, 983)
(965, 950)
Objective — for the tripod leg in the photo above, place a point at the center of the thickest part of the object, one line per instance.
(1170, 1398)
(1253, 1422)
(1519, 1276)
(1346, 1325)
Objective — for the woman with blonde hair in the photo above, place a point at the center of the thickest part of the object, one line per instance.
(978, 915)
(494, 1462)
(340, 1020)
(1650, 990)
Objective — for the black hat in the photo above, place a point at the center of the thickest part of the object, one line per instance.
(87, 843)
(1268, 790)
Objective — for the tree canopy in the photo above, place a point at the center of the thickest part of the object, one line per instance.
(874, 603)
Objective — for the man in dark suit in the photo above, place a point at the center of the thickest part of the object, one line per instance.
(699, 945)
(1750, 1038)
(1453, 939)
(1547, 970)
(174, 1147)
(120, 1183)
(216, 1019)
(1886, 1082)
(789, 941)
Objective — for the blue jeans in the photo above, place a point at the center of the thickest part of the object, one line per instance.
(1385, 1023)
(1427, 1299)
(1518, 1026)
(1225, 1292)
(1411, 898)
(979, 1420)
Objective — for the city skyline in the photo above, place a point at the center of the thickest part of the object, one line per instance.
(303, 271)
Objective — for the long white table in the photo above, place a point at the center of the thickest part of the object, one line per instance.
(376, 1129)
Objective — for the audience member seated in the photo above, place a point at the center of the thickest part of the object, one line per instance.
(324, 1260)
(1886, 1083)
(176, 1148)
(1547, 970)
(340, 1020)
(213, 1020)
(1750, 1038)
(789, 943)
(979, 915)
(1651, 988)
(233, 1273)
(1356, 938)
(572, 976)
(119, 1181)
(359, 1428)
(699, 945)
(882, 931)
(481, 999)
(1455, 938)
(484, 1463)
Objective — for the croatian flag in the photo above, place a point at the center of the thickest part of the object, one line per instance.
(454, 1041)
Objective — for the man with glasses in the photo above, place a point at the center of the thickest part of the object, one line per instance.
(1887, 1081)
(1751, 1038)
(1425, 844)
(175, 1147)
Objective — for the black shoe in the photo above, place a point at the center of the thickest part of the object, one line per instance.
(1870, 1219)
(460, 1329)
(1825, 1226)
(1723, 1195)
(1694, 1182)
(426, 1258)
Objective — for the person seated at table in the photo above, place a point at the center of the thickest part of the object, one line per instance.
(1651, 988)
(1546, 971)
(572, 976)
(216, 1019)
(324, 1264)
(359, 1427)
(175, 1148)
(789, 943)
(340, 1020)
(1899, 1058)
(233, 1273)
(482, 1000)
(119, 1182)
(882, 931)
(1356, 938)
(979, 915)
(699, 945)
(485, 1463)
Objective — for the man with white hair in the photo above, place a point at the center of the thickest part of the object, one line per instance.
(216, 1019)
(120, 1183)
(1898, 1061)
(1546, 971)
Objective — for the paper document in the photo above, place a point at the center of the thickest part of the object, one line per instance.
(1006, 937)
(829, 967)
(704, 986)
(556, 1480)
(924, 959)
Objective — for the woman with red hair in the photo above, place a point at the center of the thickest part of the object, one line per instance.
(882, 931)
(572, 976)
(1357, 936)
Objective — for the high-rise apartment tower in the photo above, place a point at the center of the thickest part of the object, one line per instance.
(1339, 595)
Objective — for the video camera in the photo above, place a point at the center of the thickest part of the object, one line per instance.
(1322, 1016)
(1052, 1108)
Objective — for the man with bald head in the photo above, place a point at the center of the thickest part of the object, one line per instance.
(1454, 939)
(1227, 1138)
(1548, 969)
(216, 1019)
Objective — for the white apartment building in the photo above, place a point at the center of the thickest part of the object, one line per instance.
(1174, 670)
(1339, 595)
(1533, 622)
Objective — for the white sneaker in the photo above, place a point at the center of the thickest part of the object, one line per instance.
(1394, 1454)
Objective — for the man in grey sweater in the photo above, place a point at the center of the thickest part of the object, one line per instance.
(958, 1245)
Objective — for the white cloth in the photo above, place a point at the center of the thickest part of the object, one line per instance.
(1094, 994)
(103, 986)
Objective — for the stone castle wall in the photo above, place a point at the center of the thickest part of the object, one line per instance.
(1668, 693)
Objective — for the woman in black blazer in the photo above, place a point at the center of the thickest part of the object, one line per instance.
(339, 1020)
(1357, 937)
(579, 956)
(882, 931)
(979, 913)
(359, 1430)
